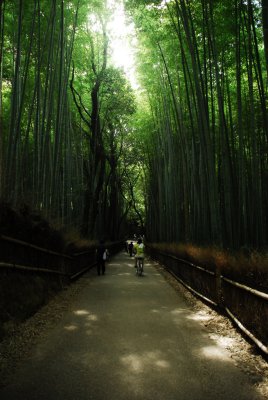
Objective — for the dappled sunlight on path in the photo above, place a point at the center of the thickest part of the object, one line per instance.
(130, 337)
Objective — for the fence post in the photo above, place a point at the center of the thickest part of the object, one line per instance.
(219, 295)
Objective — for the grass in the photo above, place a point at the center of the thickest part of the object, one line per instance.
(24, 224)
(251, 267)
(21, 295)
(74, 243)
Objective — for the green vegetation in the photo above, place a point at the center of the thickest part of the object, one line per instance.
(241, 265)
(183, 157)
(65, 124)
(203, 68)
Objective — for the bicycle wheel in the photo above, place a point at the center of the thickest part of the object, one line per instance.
(139, 267)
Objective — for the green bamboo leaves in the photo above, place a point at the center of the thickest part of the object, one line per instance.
(204, 69)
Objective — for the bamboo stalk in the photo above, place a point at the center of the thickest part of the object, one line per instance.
(260, 345)
(247, 288)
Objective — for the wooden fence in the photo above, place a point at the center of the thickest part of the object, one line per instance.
(245, 306)
(19, 255)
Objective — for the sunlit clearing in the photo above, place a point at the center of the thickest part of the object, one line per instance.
(137, 363)
(162, 364)
(200, 316)
(92, 317)
(177, 311)
(71, 328)
(133, 362)
(122, 41)
(215, 352)
(81, 312)
(223, 341)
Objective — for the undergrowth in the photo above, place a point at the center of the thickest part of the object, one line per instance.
(24, 224)
(248, 266)
(21, 295)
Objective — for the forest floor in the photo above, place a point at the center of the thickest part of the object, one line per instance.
(15, 348)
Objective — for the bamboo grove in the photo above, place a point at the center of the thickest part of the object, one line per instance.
(80, 146)
(64, 112)
(204, 69)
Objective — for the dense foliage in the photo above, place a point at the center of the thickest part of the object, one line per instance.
(65, 119)
(192, 158)
(204, 70)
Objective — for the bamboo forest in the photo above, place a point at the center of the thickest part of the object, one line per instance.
(158, 129)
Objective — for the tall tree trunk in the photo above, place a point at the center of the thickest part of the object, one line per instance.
(2, 21)
(209, 184)
(13, 143)
(264, 4)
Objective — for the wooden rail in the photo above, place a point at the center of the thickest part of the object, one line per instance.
(247, 288)
(27, 268)
(19, 255)
(32, 246)
(241, 303)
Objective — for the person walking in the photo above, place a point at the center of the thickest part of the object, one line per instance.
(130, 248)
(102, 255)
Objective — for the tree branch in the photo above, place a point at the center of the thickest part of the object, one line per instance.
(80, 107)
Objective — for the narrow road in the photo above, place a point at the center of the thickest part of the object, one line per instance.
(126, 338)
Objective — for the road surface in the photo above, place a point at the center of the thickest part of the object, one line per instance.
(126, 338)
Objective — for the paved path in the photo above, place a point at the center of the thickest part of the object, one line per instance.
(127, 338)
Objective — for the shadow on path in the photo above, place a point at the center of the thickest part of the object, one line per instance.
(129, 337)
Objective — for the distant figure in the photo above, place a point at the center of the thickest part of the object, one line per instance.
(102, 255)
(130, 248)
(139, 252)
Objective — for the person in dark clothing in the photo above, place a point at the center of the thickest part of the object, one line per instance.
(102, 254)
(130, 248)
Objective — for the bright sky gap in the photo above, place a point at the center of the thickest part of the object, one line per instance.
(122, 41)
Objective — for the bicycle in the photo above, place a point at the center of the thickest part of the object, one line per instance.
(139, 270)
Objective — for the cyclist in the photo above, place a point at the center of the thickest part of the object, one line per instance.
(139, 252)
